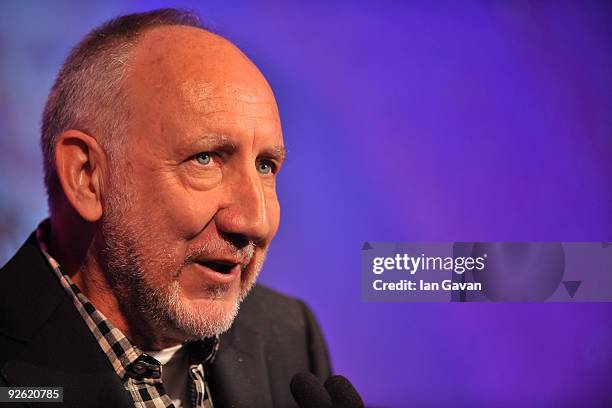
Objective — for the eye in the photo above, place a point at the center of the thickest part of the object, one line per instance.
(203, 158)
(266, 167)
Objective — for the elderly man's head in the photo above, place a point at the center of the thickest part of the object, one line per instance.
(162, 140)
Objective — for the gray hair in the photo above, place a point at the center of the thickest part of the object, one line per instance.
(87, 94)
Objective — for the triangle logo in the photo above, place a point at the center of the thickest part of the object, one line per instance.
(366, 246)
(571, 287)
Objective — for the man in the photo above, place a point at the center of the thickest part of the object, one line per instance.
(161, 145)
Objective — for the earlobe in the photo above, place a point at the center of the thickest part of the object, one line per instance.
(79, 163)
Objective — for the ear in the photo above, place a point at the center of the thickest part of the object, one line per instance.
(80, 162)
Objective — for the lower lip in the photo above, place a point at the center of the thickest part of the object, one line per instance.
(212, 276)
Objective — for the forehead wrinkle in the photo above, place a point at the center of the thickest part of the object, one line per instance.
(231, 111)
(203, 90)
(204, 95)
(247, 103)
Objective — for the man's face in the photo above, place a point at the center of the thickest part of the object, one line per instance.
(191, 208)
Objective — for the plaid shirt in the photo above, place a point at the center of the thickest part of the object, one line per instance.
(140, 373)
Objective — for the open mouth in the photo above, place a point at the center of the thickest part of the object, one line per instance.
(224, 268)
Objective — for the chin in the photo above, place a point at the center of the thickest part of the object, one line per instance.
(204, 316)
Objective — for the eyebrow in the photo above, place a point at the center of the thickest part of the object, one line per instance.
(277, 152)
(219, 140)
(224, 142)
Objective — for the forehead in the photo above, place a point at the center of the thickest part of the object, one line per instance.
(189, 75)
(207, 98)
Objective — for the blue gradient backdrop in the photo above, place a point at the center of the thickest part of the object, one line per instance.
(426, 121)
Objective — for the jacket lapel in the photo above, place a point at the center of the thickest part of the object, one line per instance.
(49, 343)
(238, 377)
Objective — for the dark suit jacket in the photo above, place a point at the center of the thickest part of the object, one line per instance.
(45, 342)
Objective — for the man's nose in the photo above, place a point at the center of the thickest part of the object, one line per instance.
(244, 211)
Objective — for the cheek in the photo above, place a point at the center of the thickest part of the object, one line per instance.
(176, 212)
(189, 213)
(169, 201)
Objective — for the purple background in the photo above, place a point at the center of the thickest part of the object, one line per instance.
(473, 122)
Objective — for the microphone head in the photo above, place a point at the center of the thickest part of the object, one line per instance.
(308, 392)
(342, 393)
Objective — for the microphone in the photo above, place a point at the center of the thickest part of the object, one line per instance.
(308, 392)
(342, 393)
(338, 392)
